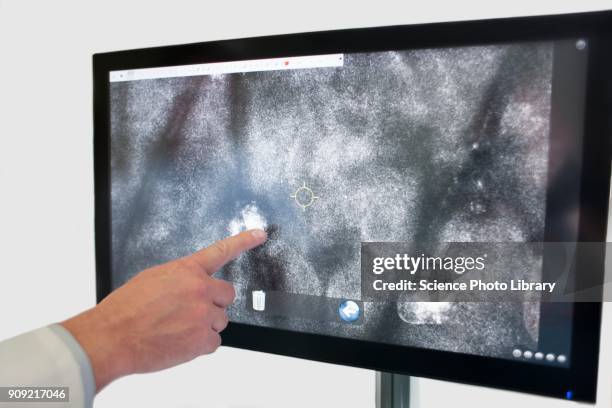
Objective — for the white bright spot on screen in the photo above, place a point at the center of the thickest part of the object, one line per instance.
(429, 312)
(249, 218)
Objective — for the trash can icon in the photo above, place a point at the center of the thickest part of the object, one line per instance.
(259, 300)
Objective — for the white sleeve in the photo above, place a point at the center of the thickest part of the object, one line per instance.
(47, 357)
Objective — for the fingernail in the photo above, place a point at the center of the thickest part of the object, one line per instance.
(259, 234)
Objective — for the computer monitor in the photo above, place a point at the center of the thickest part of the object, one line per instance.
(482, 131)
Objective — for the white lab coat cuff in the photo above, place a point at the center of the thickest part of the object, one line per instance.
(48, 357)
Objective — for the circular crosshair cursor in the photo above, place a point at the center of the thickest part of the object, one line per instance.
(304, 197)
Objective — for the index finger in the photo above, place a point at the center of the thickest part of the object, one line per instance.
(221, 252)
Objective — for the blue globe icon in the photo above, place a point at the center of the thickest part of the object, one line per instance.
(349, 311)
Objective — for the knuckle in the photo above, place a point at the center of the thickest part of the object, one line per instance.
(222, 248)
(201, 289)
(225, 321)
(202, 313)
(198, 288)
(196, 269)
(191, 265)
(207, 310)
(200, 283)
(226, 291)
(221, 321)
(184, 264)
(232, 293)
(212, 343)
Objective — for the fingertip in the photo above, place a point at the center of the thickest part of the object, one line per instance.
(232, 294)
(259, 234)
(218, 254)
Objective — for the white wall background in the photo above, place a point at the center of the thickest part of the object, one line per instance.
(46, 184)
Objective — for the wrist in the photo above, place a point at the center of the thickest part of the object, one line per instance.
(102, 343)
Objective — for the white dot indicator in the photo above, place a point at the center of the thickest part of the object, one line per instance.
(539, 355)
(516, 353)
(561, 358)
(527, 354)
(550, 357)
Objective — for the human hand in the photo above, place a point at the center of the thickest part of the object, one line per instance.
(164, 316)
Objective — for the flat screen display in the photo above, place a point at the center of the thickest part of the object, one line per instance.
(326, 151)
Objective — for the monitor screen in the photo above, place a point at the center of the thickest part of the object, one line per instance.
(326, 151)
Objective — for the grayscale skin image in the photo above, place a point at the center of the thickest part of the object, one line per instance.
(432, 145)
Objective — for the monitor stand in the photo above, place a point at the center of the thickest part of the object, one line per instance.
(392, 390)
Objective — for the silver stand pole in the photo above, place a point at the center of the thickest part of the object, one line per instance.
(392, 390)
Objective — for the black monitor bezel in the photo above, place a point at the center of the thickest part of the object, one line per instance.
(581, 377)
